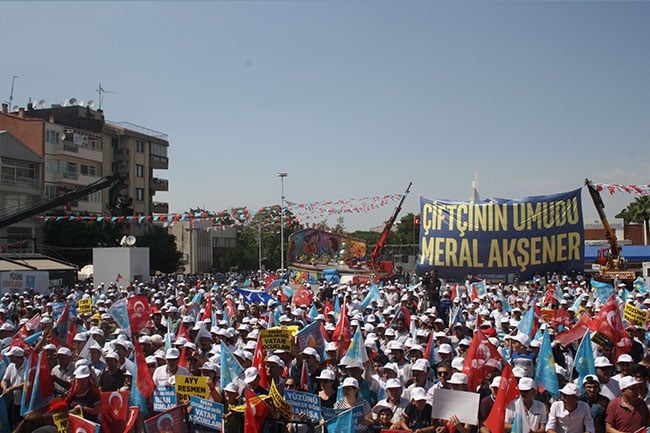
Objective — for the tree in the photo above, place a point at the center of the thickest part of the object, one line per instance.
(163, 256)
(74, 241)
(638, 211)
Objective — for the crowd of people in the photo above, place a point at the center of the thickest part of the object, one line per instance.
(416, 339)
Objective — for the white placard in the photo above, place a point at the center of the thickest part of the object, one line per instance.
(464, 405)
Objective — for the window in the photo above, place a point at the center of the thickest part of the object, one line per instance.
(158, 150)
(139, 146)
(95, 197)
(115, 142)
(50, 192)
(88, 170)
(139, 170)
(139, 194)
(51, 137)
(71, 171)
(19, 173)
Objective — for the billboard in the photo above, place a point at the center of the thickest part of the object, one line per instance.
(502, 238)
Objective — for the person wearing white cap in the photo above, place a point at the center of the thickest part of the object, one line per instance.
(570, 415)
(624, 364)
(326, 380)
(112, 378)
(627, 413)
(84, 396)
(164, 375)
(417, 414)
(536, 415)
(12, 382)
(394, 399)
(351, 399)
(252, 380)
(63, 372)
(608, 387)
(597, 402)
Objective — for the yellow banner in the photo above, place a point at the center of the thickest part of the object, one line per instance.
(285, 409)
(85, 306)
(187, 386)
(635, 315)
(61, 421)
(277, 338)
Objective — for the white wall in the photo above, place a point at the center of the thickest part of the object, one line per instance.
(130, 262)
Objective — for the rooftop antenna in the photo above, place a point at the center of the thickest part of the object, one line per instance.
(11, 95)
(101, 91)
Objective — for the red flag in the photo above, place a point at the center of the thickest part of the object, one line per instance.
(258, 362)
(182, 332)
(182, 359)
(114, 409)
(506, 394)
(256, 412)
(454, 292)
(402, 313)
(35, 323)
(134, 411)
(429, 350)
(230, 309)
(78, 424)
(303, 296)
(324, 333)
(474, 294)
(144, 382)
(173, 420)
(342, 331)
(207, 314)
(481, 360)
(139, 312)
(550, 297)
(327, 308)
(576, 332)
(609, 321)
(304, 377)
(119, 278)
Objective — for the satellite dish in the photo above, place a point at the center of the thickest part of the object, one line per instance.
(62, 136)
(123, 241)
(91, 104)
(42, 103)
(16, 108)
(72, 101)
(81, 103)
(130, 240)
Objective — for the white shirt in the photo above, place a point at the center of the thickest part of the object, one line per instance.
(13, 376)
(563, 421)
(161, 376)
(535, 416)
(611, 390)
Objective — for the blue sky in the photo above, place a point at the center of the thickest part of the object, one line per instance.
(355, 99)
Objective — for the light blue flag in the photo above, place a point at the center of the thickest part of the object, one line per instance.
(136, 398)
(640, 285)
(603, 290)
(576, 304)
(337, 307)
(343, 422)
(545, 374)
(230, 367)
(527, 323)
(357, 348)
(558, 291)
(313, 312)
(119, 313)
(5, 427)
(480, 286)
(373, 294)
(584, 361)
(310, 336)
(33, 339)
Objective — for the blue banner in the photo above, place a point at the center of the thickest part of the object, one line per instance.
(304, 402)
(499, 238)
(206, 413)
(164, 397)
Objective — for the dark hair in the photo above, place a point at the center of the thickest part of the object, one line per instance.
(639, 370)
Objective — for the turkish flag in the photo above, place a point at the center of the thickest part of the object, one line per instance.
(139, 312)
(258, 362)
(303, 296)
(609, 321)
(173, 420)
(144, 382)
(481, 359)
(507, 393)
(78, 424)
(256, 412)
(207, 314)
(114, 409)
(342, 331)
(576, 332)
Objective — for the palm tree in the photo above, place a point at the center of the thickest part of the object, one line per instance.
(638, 211)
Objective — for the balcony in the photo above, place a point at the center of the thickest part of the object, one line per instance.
(160, 207)
(158, 162)
(159, 184)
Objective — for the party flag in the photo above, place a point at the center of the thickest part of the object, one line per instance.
(230, 367)
(545, 369)
(373, 294)
(584, 360)
(603, 290)
(640, 285)
(341, 333)
(342, 422)
(356, 350)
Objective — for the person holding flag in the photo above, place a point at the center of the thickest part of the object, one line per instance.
(12, 382)
(531, 414)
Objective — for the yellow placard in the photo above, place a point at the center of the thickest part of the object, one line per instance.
(85, 306)
(635, 315)
(283, 407)
(277, 339)
(187, 386)
(61, 422)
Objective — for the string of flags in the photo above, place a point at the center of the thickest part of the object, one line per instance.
(613, 188)
(242, 216)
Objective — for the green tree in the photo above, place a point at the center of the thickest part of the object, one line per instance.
(163, 256)
(74, 241)
(638, 212)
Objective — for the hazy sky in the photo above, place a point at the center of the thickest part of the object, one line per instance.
(355, 98)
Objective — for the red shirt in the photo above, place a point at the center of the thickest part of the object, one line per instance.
(627, 419)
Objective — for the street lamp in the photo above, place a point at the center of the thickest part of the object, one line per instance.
(282, 175)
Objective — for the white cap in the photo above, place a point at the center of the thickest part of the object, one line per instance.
(626, 382)
(624, 358)
(418, 393)
(172, 354)
(326, 374)
(16, 351)
(393, 383)
(311, 352)
(458, 379)
(420, 365)
(350, 381)
(82, 372)
(64, 351)
(602, 361)
(526, 384)
(571, 389)
(250, 374)
(445, 348)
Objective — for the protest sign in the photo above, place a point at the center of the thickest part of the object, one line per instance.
(276, 339)
(635, 315)
(85, 306)
(171, 421)
(206, 413)
(187, 386)
(280, 403)
(61, 422)
(464, 405)
(164, 398)
(328, 413)
(304, 402)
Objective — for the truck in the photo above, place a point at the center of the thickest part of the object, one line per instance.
(612, 265)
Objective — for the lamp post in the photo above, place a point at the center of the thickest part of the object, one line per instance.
(282, 175)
